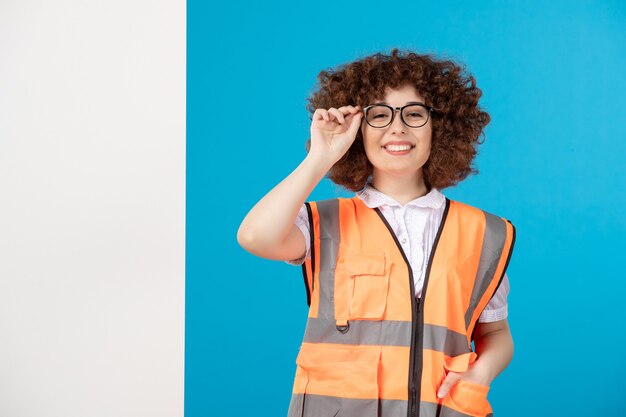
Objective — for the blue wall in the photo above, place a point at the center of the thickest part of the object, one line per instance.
(552, 74)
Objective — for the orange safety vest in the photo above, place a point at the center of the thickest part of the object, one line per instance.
(371, 348)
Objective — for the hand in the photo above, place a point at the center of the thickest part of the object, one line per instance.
(475, 374)
(333, 131)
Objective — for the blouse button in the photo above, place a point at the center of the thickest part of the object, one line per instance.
(403, 240)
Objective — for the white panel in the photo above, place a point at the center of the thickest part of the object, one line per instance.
(92, 208)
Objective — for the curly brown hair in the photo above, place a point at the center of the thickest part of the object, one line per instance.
(457, 120)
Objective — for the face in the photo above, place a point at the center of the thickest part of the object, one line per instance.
(412, 145)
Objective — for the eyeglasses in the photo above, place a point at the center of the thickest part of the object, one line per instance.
(412, 114)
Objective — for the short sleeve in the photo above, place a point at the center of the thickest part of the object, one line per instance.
(302, 221)
(497, 308)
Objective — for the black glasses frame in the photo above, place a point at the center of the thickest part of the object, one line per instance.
(400, 109)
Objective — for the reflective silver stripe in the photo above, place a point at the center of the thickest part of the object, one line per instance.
(311, 405)
(493, 245)
(393, 408)
(329, 246)
(360, 332)
(442, 339)
(385, 332)
(295, 405)
(428, 409)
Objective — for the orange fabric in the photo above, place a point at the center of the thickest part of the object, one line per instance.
(462, 254)
(469, 398)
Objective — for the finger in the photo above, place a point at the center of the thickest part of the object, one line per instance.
(348, 109)
(319, 114)
(325, 115)
(337, 114)
(348, 112)
(451, 379)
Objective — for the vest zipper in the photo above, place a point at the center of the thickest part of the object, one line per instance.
(416, 356)
(418, 323)
(414, 378)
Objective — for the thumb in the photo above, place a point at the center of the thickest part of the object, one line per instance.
(451, 379)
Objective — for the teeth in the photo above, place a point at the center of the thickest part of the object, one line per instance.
(398, 147)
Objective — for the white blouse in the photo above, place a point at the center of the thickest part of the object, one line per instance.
(415, 225)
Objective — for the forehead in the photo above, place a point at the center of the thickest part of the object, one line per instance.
(401, 95)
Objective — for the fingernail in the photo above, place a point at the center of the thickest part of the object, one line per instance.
(441, 395)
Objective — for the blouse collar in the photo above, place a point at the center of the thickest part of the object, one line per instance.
(374, 198)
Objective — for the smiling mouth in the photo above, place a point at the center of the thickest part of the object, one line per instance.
(398, 148)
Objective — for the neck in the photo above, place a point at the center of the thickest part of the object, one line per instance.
(401, 188)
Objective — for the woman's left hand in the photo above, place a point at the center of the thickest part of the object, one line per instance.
(474, 374)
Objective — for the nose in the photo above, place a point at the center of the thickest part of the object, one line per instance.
(397, 125)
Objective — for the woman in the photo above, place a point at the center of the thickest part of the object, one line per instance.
(396, 129)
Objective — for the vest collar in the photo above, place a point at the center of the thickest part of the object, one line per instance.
(374, 198)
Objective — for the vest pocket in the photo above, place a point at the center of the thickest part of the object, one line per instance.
(469, 398)
(361, 286)
(465, 396)
(339, 387)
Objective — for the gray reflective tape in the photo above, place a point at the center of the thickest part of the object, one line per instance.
(493, 245)
(442, 339)
(360, 332)
(321, 405)
(385, 332)
(295, 405)
(393, 408)
(329, 245)
(311, 405)
(428, 409)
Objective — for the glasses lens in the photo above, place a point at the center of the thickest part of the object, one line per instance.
(379, 116)
(415, 116)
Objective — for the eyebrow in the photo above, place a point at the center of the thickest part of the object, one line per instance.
(408, 102)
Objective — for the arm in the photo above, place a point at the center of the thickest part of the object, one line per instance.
(494, 345)
(268, 230)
